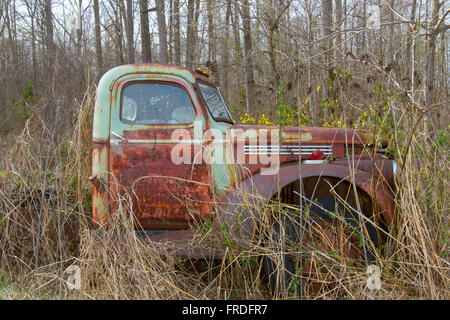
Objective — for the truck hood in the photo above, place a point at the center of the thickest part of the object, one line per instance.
(309, 135)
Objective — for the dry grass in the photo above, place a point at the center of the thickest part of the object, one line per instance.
(44, 228)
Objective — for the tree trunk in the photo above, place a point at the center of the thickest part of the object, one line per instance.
(12, 43)
(273, 13)
(390, 55)
(196, 23)
(339, 50)
(237, 36)
(363, 23)
(145, 32)
(411, 48)
(98, 38)
(119, 31)
(176, 26)
(33, 48)
(79, 30)
(311, 93)
(327, 20)
(429, 69)
(31, 10)
(212, 64)
(170, 43)
(190, 37)
(225, 55)
(162, 32)
(130, 31)
(80, 51)
(48, 24)
(344, 13)
(249, 79)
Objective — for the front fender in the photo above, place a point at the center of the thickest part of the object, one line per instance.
(258, 187)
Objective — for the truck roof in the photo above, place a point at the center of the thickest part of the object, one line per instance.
(155, 68)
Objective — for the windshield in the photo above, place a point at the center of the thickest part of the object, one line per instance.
(215, 103)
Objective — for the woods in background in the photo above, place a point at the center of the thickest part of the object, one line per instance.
(323, 61)
(381, 65)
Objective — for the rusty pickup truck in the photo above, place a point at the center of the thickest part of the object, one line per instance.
(164, 134)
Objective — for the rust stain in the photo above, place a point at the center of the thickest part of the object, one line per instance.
(267, 186)
(161, 132)
(100, 196)
(160, 188)
(310, 135)
(169, 196)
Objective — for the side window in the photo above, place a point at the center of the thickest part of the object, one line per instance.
(156, 103)
(215, 103)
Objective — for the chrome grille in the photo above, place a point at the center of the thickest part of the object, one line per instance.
(287, 150)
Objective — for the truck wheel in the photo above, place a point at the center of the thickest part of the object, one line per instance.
(323, 226)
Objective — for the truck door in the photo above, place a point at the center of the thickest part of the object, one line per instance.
(145, 115)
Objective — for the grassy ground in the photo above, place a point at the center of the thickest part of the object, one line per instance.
(43, 233)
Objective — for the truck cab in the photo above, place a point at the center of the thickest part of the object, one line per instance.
(163, 136)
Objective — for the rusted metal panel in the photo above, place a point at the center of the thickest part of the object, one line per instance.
(265, 186)
(164, 194)
(169, 196)
(249, 145)
(160, 188)
(316, 135)
(100, 182)
(379, 166)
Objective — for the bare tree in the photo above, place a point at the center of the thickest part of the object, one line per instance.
(249, 78)
(80, 53)
(212, 62)
(32, 12)
(9, 22)
(225, 54)
(236, 34)
(162, 31)
(176, 26)
(190, 35)
(119, 12)
(390, 44)
(411, 48)
(170, 43)
(98, 38)
(327, 21)
(2, 22)
(80, 30)
(145, 32)
(337, 28)
(130, 31)
(436, 25)
(48, 24)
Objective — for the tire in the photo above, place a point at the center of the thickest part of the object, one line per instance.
(284, 281)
